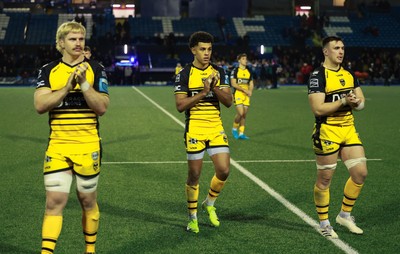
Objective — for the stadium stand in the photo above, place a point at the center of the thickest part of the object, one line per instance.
(42, 29)
(4, 20)
(14, 31)
(375, 31)
(145, 27)
(161, 42)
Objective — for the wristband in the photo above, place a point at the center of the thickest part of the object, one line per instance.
(360, 106)
(85, 86)
(343, 101)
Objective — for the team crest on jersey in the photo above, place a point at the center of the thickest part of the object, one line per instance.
(342, 82)
(95, 156)
(193, 141)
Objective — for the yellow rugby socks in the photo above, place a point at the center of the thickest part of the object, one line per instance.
(216, 186)
(51, 230)
(241, 129)
(351, 192)
(321, 200)
(90, 224)
(192, 196)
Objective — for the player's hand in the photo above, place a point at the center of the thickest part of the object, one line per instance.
(216, 78)
(80, 73)
(352, 100)
(213, 78)
(208, 83)
(211, 81)
(71, 83)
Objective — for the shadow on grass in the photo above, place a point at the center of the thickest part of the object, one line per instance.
(7, 248)
(267, 221)
(15, 138)
(159, 215)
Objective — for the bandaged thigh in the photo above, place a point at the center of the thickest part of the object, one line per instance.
(86, 184)
(353, 162)
(327, 166)
(59, 181)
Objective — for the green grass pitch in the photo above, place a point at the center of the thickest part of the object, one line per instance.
(141, 192)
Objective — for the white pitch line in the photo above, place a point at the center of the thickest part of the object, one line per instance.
(287, 161)
(159, 107)
(144, 162)
(339, 243)
(206, 161)
(307, 219)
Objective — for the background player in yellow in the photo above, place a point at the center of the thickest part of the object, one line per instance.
(74, 90)
(242, 82)
(334, 92)
(178, 68)
(199, 89)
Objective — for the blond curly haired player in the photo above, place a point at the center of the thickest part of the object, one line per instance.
(74, 92)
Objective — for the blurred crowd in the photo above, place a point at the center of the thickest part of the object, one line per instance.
(284, 66)
(293, 66)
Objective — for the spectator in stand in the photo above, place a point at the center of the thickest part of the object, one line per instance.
(306, 70)
(87, 52)
(386, 75)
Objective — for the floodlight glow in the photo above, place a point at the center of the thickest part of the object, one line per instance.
(125, 49)
(262, 49)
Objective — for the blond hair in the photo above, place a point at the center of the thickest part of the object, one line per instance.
(66, 28)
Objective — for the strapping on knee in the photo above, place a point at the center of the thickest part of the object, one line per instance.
(327, 166)
(353, 162)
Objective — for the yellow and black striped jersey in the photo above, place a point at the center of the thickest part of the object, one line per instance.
(335, 84)
(73, 123)
(242, 76)
(206, 114)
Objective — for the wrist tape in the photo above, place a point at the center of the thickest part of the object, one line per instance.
(85, 86)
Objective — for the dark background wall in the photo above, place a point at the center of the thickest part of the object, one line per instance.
(160, 8)
(194, 8)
